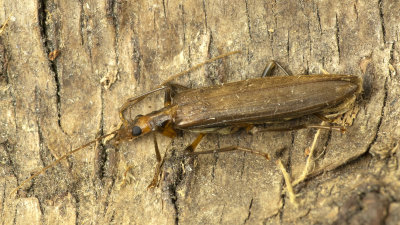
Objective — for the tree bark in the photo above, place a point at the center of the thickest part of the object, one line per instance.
(113, 50)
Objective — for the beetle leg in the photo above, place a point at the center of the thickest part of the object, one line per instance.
(190, 149)
(126, 176)
(232, 148)
(310, 160)
(167, 97)
(171, 91)
(155, 182)
(167, 130)
(194, 144)
(269, 68)
(323, 118)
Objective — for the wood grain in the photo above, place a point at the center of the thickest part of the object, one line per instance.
(113, 50)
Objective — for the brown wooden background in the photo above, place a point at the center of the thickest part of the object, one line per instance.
(49, 107)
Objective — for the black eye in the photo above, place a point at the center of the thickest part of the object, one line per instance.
(136, 131)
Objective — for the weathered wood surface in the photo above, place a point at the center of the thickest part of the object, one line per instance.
(49, 107)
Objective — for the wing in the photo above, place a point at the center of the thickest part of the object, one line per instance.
(261, 100)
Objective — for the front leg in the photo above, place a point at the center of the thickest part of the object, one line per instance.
(233, 148)
(156, 179)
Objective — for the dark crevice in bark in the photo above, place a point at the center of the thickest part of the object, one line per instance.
(307, 69)
(221, 217)
(271, 34)
(292, 139)
(85, 32)
(45, 155)
(380, 7)
(113, 12)
(288, 167)
(189, 62)
(12, 154)
(241, 157)
(112, 9)
(173, 192)
(58, 98)
(288, 46)
(367, 201)
(337, 36)
(243, 163)
(205, 14)
(281, 210)
(4, 78)
(248, 19)
(82, 23)
(392, 49)
(42, 211)
(164, 9)
(101, 149)
(3, 200)
(216, 157)
(136, 56)
(392, 60)
(9, 150)
(42, 15)
(319, 20)
(111, 175)
(39, 131)
(310, 41)
(15, 213)
(209, 46)
(249, 211)
(103, 154)
(305, 215)
(356, 10)
(271, 43)
(155, 28)
(290, 156)
(112, 218)
(328, 140)
(183, 23)
(248, 56)
(210, 70)
(378, 127)
(77, 201)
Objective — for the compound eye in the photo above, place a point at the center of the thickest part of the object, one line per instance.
(136, 131)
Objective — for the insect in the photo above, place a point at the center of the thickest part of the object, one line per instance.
(230, 107)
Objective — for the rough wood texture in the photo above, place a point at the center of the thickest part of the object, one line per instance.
(49, 107)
